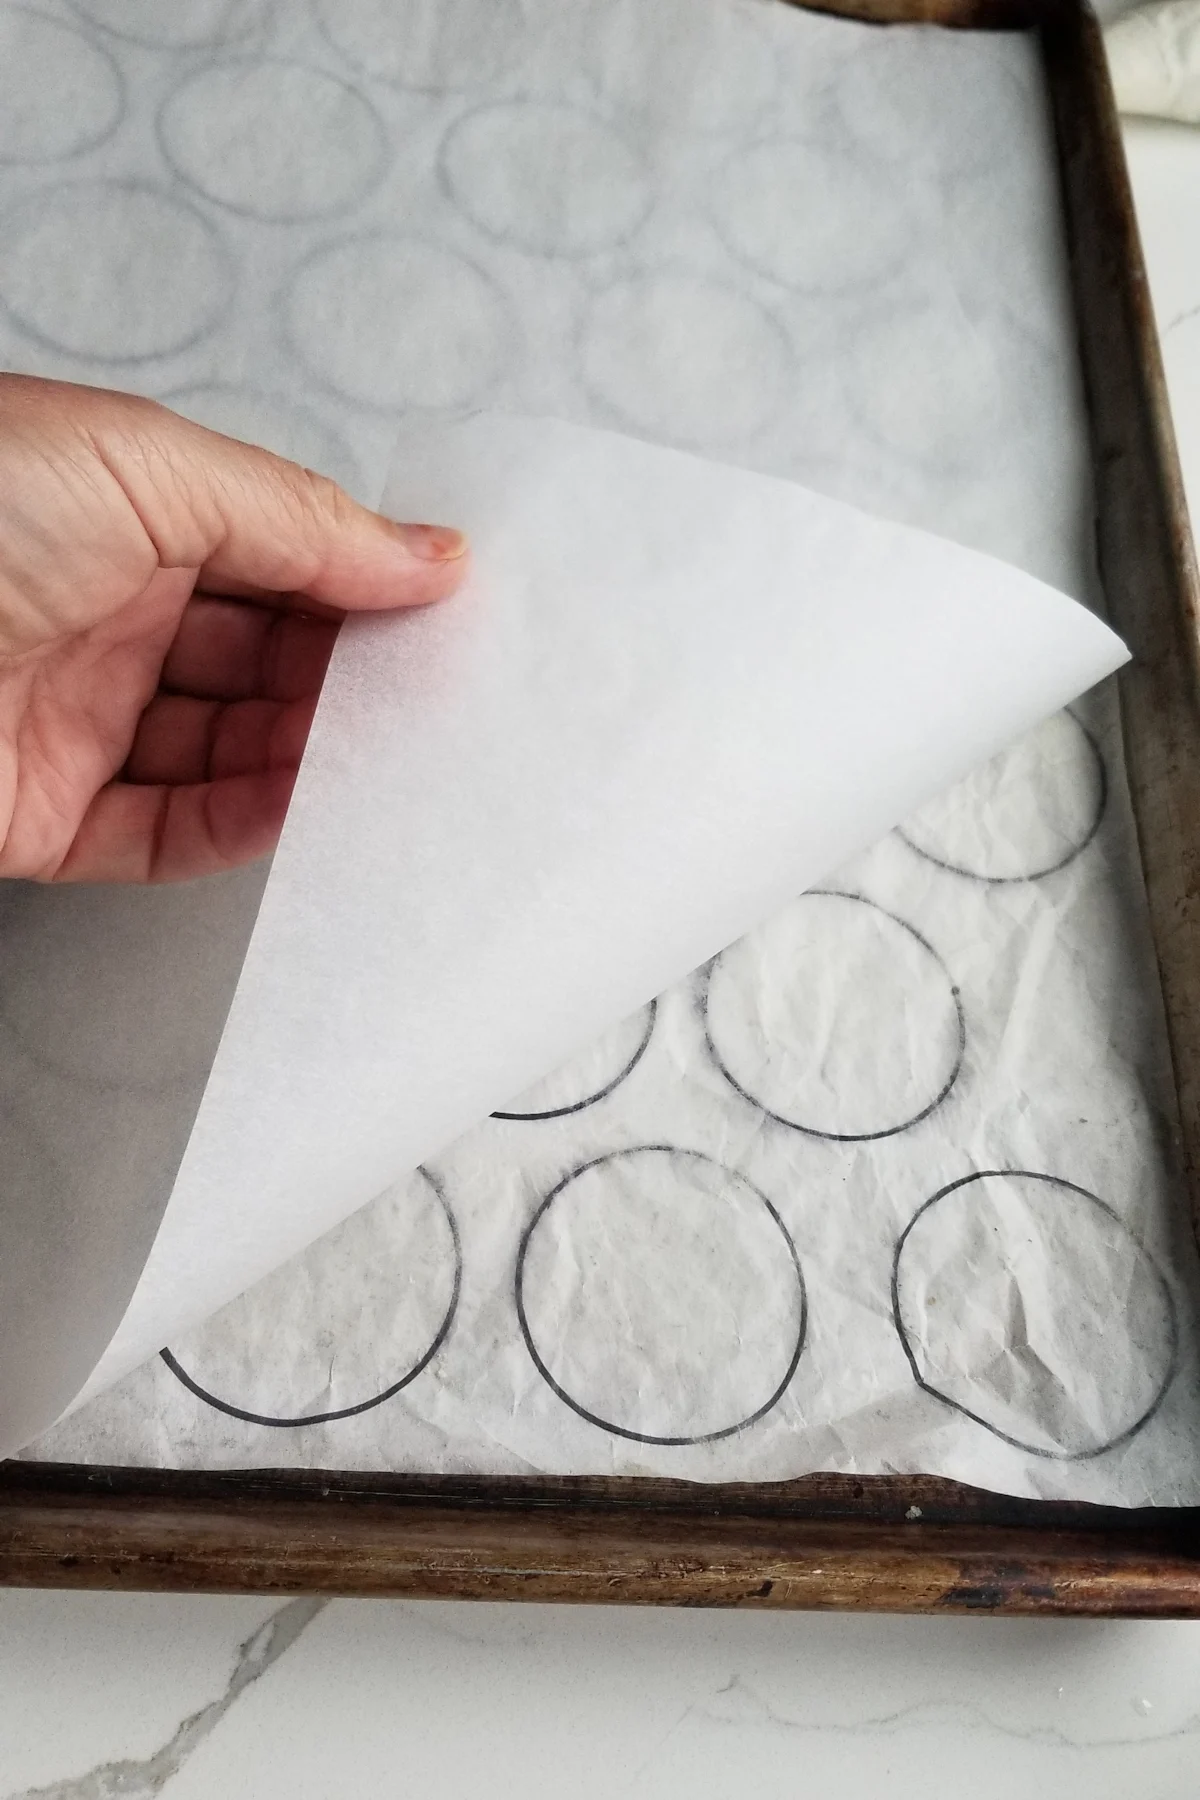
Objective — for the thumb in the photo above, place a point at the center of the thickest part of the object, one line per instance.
(249, 520)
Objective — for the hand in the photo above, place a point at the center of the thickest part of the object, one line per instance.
(169, 601)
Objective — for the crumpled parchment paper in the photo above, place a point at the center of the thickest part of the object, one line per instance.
(888, 1186)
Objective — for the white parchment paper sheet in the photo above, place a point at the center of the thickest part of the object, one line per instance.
(821, 250)
(669, 696)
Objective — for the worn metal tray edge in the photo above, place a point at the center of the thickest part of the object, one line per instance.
(886, 1543)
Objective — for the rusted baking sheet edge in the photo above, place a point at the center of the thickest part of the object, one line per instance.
(886, 1544)
(830, 1544)
(959, 15)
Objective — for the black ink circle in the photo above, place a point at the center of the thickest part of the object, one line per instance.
(1074, 850)
(967, 1412)
(844, 1137)
(576, 1106)
(388, 1393)
(623, 1431)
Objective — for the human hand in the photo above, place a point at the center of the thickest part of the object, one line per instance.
(169, 600)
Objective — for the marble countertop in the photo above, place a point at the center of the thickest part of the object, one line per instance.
(139, 1696)
(142, 1695)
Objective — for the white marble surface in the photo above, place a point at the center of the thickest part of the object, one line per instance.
(133, 1696)
(138, 1696)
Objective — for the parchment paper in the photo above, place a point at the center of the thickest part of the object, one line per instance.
(670, 696)
(819, 250)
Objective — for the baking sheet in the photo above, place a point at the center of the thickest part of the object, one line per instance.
(823, 251)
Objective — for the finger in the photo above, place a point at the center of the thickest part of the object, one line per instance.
(245, 590)
(159, 834)
(172, 741)
(242, 515)
(180, 739)
(224, 650)
(257, 735)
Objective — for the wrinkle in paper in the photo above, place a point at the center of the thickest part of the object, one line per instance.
(827, 252)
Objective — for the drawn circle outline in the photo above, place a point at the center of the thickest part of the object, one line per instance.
(514, 237)
(209, 319)
(148, 41)
(624, 1431)
(595, 56)
(587, 337)
(848, 1137)
(388, 1393)
(907, 67)
(381, 154)
(561, 1112)
(73, 29)
(958, 1406)
(356, 62)
(1102, 797)
(762, 266)
(505, 315)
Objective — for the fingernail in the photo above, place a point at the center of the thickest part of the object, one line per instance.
(433, 543)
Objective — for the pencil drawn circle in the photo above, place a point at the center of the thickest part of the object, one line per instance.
(433, 46)
(684, 360)
(391, 322)
(114, 270)
(60, 94)
(342, 1328)
(547, 178)
(1026, 1304)
(701, 68)
(272, 420)
(836, 1018)
(174, 24)
(797, 213)
(591, 1076)
(660, 1296)
(1025, 814)
(272, 139)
